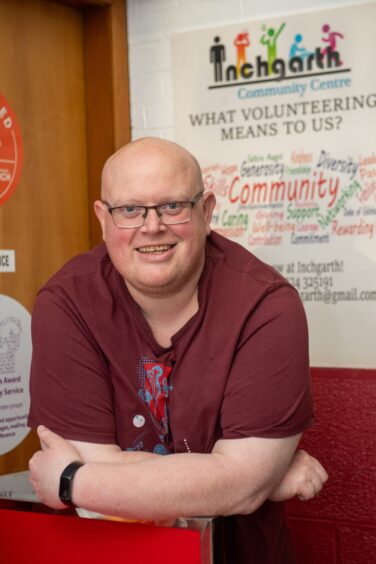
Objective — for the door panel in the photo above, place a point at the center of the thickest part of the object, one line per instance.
(45, 220)
(44, 53)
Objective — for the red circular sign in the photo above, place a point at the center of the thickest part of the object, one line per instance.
(11, 153)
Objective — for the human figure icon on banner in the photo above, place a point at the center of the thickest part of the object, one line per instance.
(269, 39)
(297, 50)
(217, 57)
(331, 38)
(241, 42)
(10, 338)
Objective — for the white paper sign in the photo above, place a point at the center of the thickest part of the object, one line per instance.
(15, 359)
(7, 261)
(281, 114)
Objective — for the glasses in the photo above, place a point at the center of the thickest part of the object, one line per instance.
(170, 213)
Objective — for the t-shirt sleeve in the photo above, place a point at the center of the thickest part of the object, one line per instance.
(268, 392)
(70, 388)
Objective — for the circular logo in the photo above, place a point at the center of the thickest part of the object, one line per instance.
(15, 359)
(11, 153)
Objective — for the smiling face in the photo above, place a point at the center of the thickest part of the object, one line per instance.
(155, 258)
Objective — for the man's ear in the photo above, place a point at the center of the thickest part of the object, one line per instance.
(101, 211)
(208, 205)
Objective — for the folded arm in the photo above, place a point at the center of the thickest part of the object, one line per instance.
(304, 478)
(237, 477)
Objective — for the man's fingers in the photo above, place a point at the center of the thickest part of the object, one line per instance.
(312, 487)
(312, 478)
(314, 468)
(323, 473)
(47, 438)
(308, 491)
(41, 433)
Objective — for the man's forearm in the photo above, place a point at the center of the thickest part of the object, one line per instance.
(304, 477)
(164, 487)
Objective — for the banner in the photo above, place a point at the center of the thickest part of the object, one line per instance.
(281, 115)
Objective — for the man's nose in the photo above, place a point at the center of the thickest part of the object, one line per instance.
(153, 221)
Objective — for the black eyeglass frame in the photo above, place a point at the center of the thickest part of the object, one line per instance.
(159, 213)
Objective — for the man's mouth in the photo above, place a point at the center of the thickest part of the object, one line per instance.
(150, 249)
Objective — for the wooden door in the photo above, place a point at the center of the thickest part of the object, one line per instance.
(64, 75)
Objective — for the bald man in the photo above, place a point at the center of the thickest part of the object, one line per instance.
(169, 339)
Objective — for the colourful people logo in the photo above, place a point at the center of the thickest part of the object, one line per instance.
(241, 42)
(217, 57)
(269, 39)
(297, 49)
(296, 57)
(331, 37)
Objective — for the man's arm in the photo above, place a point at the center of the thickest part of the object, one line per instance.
(227, 481)
(95, 452)
(304, 478)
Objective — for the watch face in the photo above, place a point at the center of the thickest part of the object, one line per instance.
(64, 491)
(66, 482)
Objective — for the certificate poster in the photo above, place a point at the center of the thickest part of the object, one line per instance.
(281, 114)
(15, 360)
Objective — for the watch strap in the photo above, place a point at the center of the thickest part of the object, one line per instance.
(66, 482)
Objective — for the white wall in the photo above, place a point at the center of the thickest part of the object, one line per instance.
(150, 25)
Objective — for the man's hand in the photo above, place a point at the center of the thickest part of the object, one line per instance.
(47, 465)
(304, 479)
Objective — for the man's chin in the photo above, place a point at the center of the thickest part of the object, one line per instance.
(160, 286)
(153, 285)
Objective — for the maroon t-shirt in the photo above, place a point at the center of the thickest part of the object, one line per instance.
(238, 368)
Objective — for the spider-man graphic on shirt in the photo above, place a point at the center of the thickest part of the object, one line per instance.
(155, 389)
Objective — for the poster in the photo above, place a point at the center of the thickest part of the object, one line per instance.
(15, 360)
(281, 114)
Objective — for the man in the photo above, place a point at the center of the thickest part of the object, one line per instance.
(172, 339)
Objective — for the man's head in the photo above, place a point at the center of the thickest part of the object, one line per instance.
(155, 258)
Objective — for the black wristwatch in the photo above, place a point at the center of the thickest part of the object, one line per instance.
(66, 482)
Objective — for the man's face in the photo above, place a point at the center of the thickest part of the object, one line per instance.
(155, 258)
